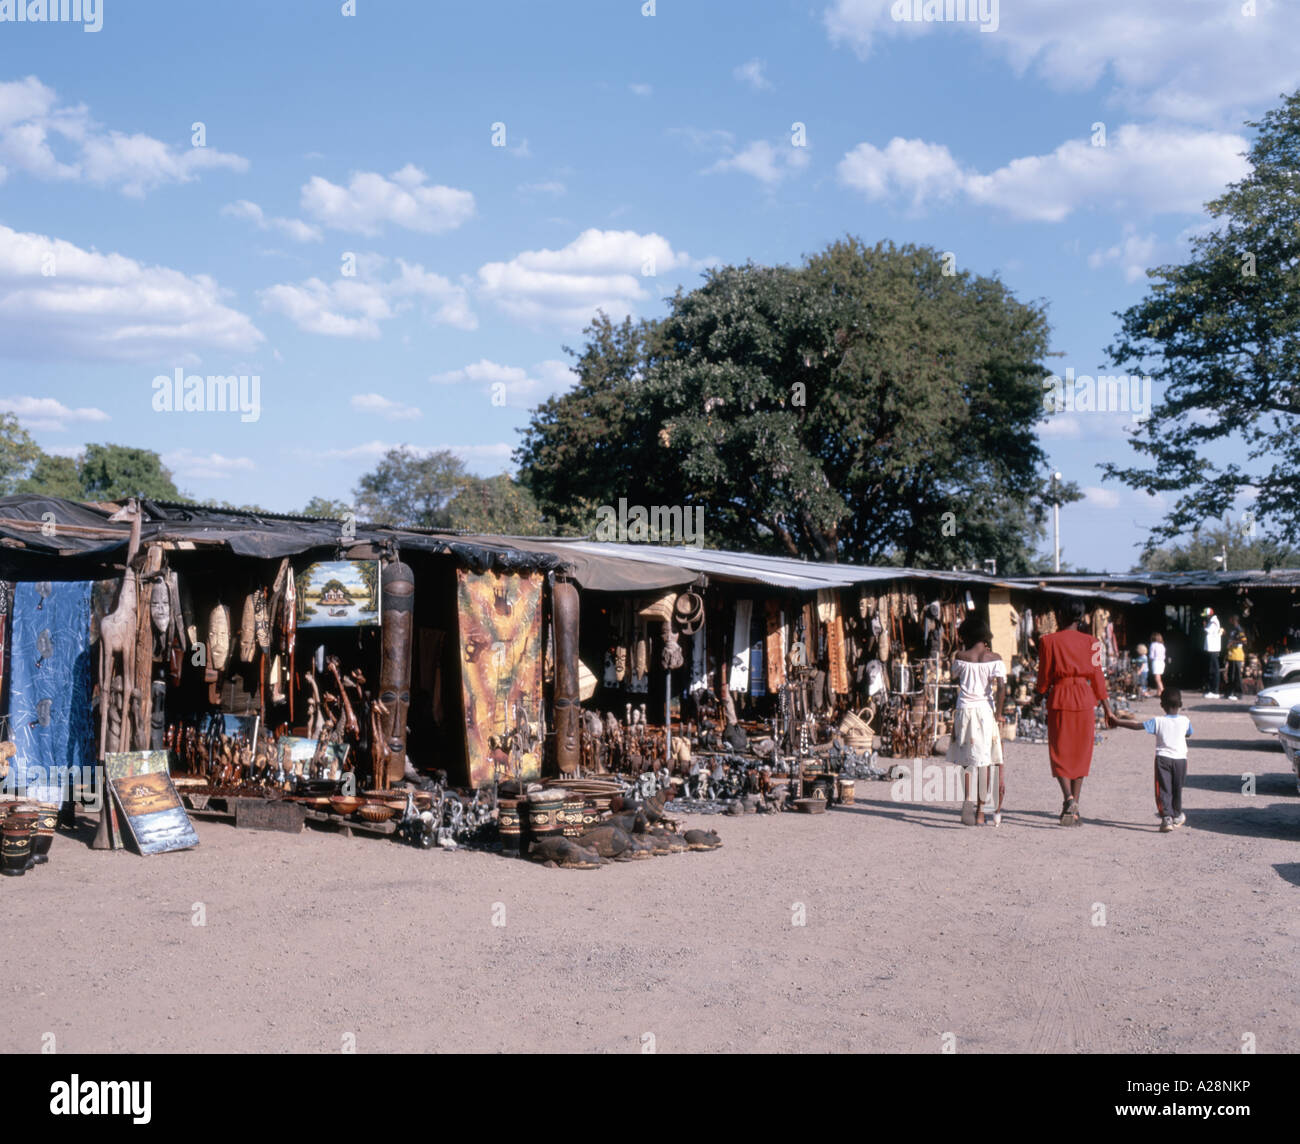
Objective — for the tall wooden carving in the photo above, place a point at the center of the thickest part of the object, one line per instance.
(568, 748)
(397, 607)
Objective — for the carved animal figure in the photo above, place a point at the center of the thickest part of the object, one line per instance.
(607, 841)
(565, 854)
(117, 636)
(668, 842)
(702, 839)
(641, 847)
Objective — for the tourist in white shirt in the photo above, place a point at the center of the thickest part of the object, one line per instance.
(976, 743)
(1213, 645)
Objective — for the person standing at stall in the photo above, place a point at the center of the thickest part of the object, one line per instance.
(1213, 646)
(1236, 657)
(1070, 675)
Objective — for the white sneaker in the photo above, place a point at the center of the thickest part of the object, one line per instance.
(1181, 820)
(1234, 698)
(1166, 825)
(1208, 695)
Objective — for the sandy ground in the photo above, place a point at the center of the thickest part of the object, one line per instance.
(915, 927)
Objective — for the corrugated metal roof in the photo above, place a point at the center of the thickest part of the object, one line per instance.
(749, 568)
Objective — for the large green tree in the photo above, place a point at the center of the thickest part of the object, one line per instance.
(1245, 548)
(1222, 333)
(110, 472)
(598, 436)
(410, 488)
(872, 404)
(435, 490)
(18, 454)
(496, 505)
(53, 476)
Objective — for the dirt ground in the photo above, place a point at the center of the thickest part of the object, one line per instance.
(914, 927)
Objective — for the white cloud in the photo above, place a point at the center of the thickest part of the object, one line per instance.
(1134, 254)
(600, 269)
(370, 201)
(206, 466)
(767, 163)
(752, 74)
(522, 388)
(1191, 60)
(1141, 168)
(376, 403)
(642, 89)
(59, 301)
(354, 307)
(295, 228)
(1101, 498)
(33, 124)
(45, 414)
(905, 167)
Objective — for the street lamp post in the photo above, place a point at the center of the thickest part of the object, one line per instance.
(1056, 521)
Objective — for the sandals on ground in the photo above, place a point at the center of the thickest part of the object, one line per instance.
(1070, 813)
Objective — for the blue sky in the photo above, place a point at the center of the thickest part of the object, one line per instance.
(631, 141)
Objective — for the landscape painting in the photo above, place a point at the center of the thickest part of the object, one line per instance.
(339, 594)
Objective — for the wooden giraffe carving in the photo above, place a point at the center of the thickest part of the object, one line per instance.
(117, 634)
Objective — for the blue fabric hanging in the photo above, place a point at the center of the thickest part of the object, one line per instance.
(50, 676)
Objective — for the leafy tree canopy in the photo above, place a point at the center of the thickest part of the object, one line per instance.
(110, 472)
(1222, 332)
(1247, 551)
(53, 476)
(496, 505)
(872, 404)
(18, 454)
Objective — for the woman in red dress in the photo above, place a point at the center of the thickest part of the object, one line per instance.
(1070, 675)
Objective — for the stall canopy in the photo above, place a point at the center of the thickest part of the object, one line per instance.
(51, 538)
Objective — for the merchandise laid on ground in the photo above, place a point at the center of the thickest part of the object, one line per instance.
(561, 700)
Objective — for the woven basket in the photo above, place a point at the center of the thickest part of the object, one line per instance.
(856, 731)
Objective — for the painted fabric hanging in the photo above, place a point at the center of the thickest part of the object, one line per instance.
(757, 637)
(738, 679)
(836, 660)
(50, 688)
(501, 667)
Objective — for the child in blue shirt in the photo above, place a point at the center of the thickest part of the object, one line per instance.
(1171, 730)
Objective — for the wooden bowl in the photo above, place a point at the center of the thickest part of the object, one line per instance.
(345, 804)
(810, 805)
(376, 812)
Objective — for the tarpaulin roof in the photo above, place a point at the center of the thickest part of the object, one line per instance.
(52, 538)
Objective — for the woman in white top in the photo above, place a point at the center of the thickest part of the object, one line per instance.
(981, 678)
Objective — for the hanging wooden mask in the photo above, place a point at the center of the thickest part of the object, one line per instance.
(247, 631)
(261, 621)
(219, 638)
(160, 607)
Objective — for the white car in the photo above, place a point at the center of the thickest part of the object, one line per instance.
(1272, 705)
(1282, 669)
(1289, 736)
